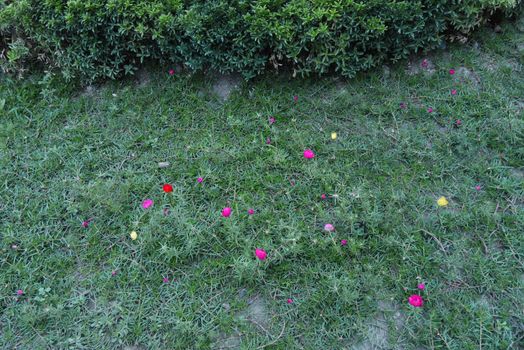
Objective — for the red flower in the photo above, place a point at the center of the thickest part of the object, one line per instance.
(168, 188)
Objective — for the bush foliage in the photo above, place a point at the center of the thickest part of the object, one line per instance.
(97, 39)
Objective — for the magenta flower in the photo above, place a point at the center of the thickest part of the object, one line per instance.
(251, 211)
(171, 71)
(113, 273)
(344, 242)
(165, 279)
(430, 110)
(421, 286)
(199, 180)
(19, 292)
(290, 301)
(323, 196)
(329, 227)
(147, 203)
(268, 141)
(458, 122)
(271, 120)
(85, 224)
(424, 63)
(260, 254)
(478, 187)
(295, 98)
(454, 92)
(226, 212)
(309, 154)
(403, 105)
(416, 300)
(451, 71)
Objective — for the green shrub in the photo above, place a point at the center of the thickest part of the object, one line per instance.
(97, 39)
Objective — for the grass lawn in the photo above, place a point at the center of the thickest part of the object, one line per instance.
(191, 279)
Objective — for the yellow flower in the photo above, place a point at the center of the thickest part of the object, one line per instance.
(133, 235)
(333, 135)
(442, 201)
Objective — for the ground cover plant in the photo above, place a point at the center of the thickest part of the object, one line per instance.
(381, 212)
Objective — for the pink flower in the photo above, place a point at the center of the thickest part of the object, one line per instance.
(290, 301)
(165, 279)
(199, 180)
(478, 187)
(344, 242)
(309, 154)
(453, 92)
(402, 105)
(421, 286)
(261, 254)
(271, 120)
(430, 110)
(268, 141)
(458, 122)
(171, 71)
(251, 211)
(424, 63)
(416, 300)
(19, 292)
(85, 224)
(226, 212)
(451, 71)
(113, 273)
(295, 98)
(323, 196)
(329, 227)
(147, 203)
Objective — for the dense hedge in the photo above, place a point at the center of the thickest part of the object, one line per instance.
(97, 39)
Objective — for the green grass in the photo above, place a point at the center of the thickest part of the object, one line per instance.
(67, 157)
